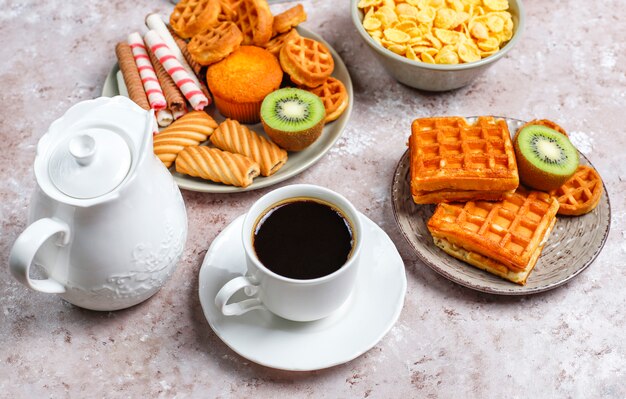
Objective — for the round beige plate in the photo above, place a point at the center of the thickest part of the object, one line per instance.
(572, 246)
(297, 162)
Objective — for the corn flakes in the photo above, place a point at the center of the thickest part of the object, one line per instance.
(439, 31)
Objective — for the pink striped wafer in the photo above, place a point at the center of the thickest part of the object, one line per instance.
(164, 117)
(146, 71)
(181, 77)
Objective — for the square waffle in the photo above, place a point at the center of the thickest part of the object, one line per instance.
(452, 160)
(504, 238)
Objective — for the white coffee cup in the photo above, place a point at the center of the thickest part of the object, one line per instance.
(293, 299)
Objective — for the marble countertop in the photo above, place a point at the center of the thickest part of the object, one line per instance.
(448, 342)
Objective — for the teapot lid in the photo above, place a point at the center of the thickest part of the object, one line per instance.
(89, 163)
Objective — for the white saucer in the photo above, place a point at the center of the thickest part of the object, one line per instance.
(269, 340)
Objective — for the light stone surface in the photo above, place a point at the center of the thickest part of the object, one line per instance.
(449, 341)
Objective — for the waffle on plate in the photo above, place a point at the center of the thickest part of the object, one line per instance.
(452, 160)
(504, 237)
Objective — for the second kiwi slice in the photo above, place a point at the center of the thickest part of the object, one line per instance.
(545, 157)
(293, 118)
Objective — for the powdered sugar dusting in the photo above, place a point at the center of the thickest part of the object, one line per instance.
(582, 141)
(352, 143)
(608, 59)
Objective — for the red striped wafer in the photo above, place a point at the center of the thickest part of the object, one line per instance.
(146, 71)
(185, 83)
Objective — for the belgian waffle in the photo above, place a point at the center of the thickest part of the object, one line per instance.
(334, 96)
(252, 17)
(581, 193)
(504, 238)
(308, 62)
(435, 197)
(449, 155)
(215, 44)
(194, 16)
(189, 130)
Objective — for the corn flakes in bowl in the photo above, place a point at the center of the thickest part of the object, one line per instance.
(438, 45)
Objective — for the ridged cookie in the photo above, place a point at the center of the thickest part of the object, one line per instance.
(191, 129)
(234, 137)
(216, 165)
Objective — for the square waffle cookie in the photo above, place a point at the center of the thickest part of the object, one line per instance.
(452, 160)
(504, 238)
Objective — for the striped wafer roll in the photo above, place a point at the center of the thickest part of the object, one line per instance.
(175, 99)
(183, 79)
(132, 80)
(216, 165)
(155, 22)
(182, 46)
(146, 71)
(180, 113)
(234, 137)
(164, 117)
(191, 129)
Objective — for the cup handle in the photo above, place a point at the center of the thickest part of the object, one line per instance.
(26, 247)
(238, 308)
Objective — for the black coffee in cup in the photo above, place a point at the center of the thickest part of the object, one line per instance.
(303, 238)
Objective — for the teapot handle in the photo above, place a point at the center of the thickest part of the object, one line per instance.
(26, 247)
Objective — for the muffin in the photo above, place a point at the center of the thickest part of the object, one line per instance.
(241, 81)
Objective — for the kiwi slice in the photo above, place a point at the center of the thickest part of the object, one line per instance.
(545, 157)
(293, 118)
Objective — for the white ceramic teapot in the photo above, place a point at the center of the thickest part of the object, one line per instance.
(108, 223)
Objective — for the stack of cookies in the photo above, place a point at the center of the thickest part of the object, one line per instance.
(225, 30)
(243, 53)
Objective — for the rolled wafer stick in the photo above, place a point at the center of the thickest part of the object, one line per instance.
(155, 22)
(132, 80)
(195, 67)
(183, 79)
(182, 46)
(164, 117)
(146, 71)
(175, 99)
(178, 114)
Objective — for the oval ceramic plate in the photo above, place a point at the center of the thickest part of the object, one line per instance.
(297, 162)
(572, 246)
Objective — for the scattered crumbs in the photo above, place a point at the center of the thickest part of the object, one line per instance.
(355, 379)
